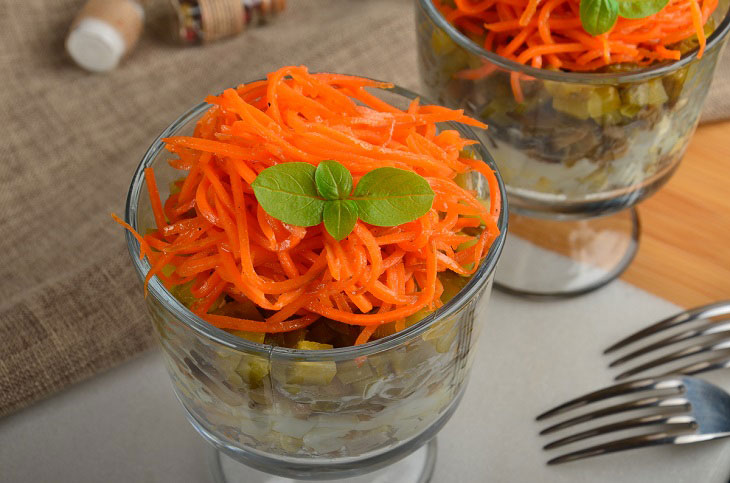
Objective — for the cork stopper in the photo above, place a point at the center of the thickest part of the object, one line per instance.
(103, 32)
(221, 18)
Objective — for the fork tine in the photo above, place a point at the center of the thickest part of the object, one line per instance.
(675, 356)
(611, 391)
(652, 420)
(653, 439)
(675, 404)
(704, 312)
(712, 364)
(712, 328)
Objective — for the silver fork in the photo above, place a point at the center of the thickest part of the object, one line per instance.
(712, 320)
(686, 410)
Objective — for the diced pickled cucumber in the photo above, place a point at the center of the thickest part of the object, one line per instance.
(584, 102)
(441, 43)
(252, 336)
(442, 335)
(168, 269)
(500, 102)
(361, 441)
(226, 365)
(379, 364)
(418, 353)
(318, 373)
(292, 389)
(657, 94)
(453, 284)
(418, 316)
(399, 362)
(349, 373)
(362, 387)
(325, 440)
(260, 395)
(466, 245)
(630, 110)
(650, 93)
(311, 346)
(253, 370)
(183, 295)
(294, 427)
(443, 344)
(452, 57)
(598, 178)
(468, 154)
(175, 186)
(385, 330)
(256, 428)
(612, 118)
(290, 444)
(674, 83)
(312, 373)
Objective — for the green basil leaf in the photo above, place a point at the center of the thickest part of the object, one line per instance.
(287, 192)
(340, 217)
(391, 197)
(334, 181)
(598, 16)
(640, 8)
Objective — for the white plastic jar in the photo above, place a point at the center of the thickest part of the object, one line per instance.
(103, 32)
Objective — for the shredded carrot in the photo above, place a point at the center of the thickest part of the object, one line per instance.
(145, 249)
(155, 199)
(217, 235)
(527, 30)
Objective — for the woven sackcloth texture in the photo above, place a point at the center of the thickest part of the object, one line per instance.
(71, 305)
(717, 105)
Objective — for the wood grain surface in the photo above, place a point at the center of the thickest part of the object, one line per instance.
(684, 247)
(684, 252)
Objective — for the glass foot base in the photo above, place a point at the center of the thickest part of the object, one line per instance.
(549, 258)
(417, 467)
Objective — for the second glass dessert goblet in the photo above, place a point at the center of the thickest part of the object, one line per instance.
(577, 153)
(325, 414)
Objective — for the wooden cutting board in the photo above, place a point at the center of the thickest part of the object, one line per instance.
(684, 251)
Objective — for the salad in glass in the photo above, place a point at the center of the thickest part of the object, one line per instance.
(318, 270)
(589, 110)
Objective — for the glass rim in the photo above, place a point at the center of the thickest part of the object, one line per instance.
(183, 314)
(658, 70)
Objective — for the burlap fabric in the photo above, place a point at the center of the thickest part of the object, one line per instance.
(70, 304)
(717, 105)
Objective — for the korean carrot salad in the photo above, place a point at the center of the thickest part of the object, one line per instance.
(310, 210)
(617, 92)
(582, 35)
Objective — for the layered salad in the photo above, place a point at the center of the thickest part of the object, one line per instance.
(311, 218)
(580, 123)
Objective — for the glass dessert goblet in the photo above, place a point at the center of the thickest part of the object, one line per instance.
(576, 153)
(316, 414)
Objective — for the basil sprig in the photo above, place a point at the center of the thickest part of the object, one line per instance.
(302, 195)
(640, 8)
(599, 16)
